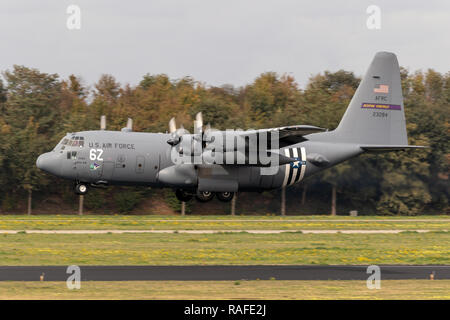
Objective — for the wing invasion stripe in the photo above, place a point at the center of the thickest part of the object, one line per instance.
(287, 168)
(291, 170)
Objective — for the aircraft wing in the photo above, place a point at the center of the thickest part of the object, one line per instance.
(290, 134)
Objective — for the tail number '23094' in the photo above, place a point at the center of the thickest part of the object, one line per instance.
(96, 154)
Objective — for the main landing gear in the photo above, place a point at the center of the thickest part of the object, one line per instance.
(203, 196)
(225, 196)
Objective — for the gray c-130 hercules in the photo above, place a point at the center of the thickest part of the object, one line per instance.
(373, 122)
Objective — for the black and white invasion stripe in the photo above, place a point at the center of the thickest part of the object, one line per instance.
(294, 172)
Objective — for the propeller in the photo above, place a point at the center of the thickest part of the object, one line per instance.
(176, 134)
(172, 126)
(129, 127)
(198, 124)
(130, 124)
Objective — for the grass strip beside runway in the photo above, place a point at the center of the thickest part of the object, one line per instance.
(209, 290)
(120, 222)
(224, 249)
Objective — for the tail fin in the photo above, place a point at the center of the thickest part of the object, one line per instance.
(376, 116)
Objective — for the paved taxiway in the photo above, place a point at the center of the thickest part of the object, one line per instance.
(201, 273)
(214, 231)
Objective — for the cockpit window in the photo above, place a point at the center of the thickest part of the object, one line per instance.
(74, 141)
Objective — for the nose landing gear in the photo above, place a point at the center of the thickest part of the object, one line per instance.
(81, 188)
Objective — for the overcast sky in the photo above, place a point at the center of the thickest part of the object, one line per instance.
(220, 42)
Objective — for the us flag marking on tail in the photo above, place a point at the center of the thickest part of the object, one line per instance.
(382, 88)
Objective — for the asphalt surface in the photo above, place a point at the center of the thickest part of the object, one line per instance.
(381, 231)
(203, 273)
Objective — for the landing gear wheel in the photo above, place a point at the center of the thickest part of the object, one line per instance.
(182, 195)
(225, 196)
(81, 189)
(204, 196)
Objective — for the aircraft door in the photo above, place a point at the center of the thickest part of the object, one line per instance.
(108, 170)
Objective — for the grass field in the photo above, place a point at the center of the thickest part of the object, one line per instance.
(224, 248)
(208, 290)
(56, 222)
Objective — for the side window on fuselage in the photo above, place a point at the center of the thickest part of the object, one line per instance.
(72, 155)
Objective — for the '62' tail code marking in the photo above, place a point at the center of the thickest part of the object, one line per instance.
(96, 154)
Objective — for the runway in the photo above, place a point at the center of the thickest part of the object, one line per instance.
(118, 231)
(205, 273)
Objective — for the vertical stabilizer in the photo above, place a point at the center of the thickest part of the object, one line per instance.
(375, 115)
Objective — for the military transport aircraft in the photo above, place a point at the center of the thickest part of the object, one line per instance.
(212, 163)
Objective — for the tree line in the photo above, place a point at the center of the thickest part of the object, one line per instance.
(39, 108)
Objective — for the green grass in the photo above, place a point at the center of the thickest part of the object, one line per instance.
(208, 290)
(57, 222)
(224, 248)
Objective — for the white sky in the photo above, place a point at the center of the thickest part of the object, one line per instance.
(220, 42)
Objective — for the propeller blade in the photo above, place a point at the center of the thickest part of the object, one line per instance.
(198, 123)
(103, 122)
(172, 125)
(130, 124)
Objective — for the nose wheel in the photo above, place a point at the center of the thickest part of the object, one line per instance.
(81, 188)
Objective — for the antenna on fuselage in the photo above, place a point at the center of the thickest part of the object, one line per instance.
(103, 122)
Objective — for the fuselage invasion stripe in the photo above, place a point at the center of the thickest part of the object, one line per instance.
(297, 176)
(302, 174)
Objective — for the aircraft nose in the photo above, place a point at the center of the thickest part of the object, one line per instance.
(49, 162)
